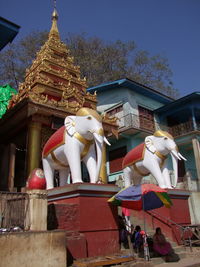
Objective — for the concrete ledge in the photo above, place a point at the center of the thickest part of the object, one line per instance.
(82, 189)
(35, 249)
(179, 193)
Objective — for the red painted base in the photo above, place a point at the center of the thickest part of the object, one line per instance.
(83, 208)
(76, 246)
(169, 219)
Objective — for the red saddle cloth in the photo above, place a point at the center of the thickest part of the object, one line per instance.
(136, 154)
(56, 140)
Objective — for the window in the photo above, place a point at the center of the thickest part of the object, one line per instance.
(146, 118)
(115, 159)
(115, 110)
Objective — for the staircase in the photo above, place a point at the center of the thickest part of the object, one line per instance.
(179, 250)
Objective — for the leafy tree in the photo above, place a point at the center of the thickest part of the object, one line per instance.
(153, 71)
(99, 61)
(102, 62)
(18, 56)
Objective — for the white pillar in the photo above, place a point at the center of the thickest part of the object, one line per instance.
(36, 219)
(196, 149)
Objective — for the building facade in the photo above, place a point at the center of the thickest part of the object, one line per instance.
(141, 111)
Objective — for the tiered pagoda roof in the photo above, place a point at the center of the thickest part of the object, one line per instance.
(53, 80)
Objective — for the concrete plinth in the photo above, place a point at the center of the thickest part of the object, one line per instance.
(83, 208)
(35, 249)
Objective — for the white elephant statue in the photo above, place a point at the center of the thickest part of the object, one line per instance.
(150, 158)
(80, 139)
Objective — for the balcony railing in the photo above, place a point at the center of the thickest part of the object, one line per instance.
(183, 128)
(132, 121)
(137, 122)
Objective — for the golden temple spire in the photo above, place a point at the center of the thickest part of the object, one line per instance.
(54, 28)
(53, 80)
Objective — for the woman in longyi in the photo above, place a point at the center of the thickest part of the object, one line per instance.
(160, 245)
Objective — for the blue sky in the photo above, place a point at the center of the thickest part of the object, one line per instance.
(167, 27)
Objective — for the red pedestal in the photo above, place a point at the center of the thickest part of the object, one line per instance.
(169, 219)
(83, 208)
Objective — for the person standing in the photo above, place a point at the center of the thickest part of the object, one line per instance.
(137, 239)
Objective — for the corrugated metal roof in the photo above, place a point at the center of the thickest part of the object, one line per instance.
(8, 31)
(178, 102)
(137, 87)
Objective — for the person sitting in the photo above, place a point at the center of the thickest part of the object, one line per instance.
(160, 245)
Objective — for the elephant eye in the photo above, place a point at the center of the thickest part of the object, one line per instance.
(89, 117)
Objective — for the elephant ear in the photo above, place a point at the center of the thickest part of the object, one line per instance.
(149, 143)
(70, 125)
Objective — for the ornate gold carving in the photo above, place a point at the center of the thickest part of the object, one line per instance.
(110, 120)
(38, 90)
(91, 97)
(53, 79)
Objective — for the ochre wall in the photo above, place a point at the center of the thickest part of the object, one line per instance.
(35, 249)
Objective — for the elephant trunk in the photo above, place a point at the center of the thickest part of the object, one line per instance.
(175, 157)
(99, 150)
(175, 168)
(99, 142)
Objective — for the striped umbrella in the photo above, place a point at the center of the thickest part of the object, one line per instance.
(142, 197)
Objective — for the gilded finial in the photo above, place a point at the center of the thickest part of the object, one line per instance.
(54, 28)
(55, 14)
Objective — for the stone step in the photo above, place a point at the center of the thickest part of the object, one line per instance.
(187, 258)
(158, 260)
(154, 261)
(178, 250)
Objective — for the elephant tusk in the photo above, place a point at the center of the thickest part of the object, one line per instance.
(106, 141)
(175, 154)
(98, 137)
(99, 132)
(181, 156)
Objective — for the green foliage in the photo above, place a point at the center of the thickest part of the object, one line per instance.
(6, 93)
(99, 61)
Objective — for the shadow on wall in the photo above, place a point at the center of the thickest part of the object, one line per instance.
(52, 222)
